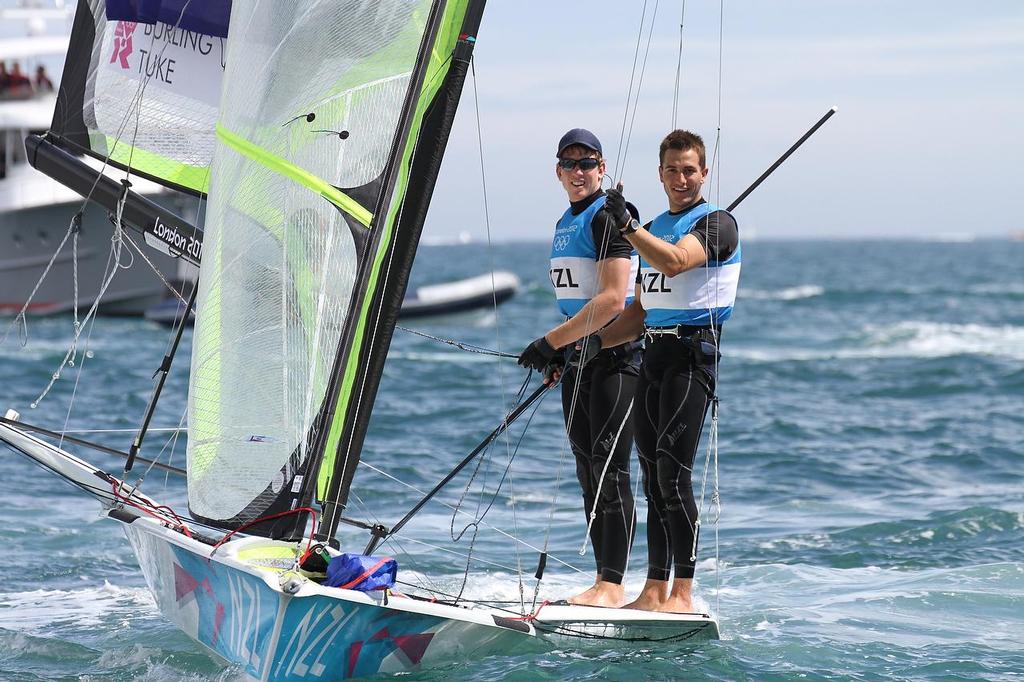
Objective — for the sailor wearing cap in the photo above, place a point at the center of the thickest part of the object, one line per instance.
(592, 271)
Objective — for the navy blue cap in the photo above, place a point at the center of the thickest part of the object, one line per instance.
(580, 136)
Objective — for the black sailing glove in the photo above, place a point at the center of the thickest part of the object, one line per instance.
(537, 355)
(556, 366)
(587, 349)
(615, 206)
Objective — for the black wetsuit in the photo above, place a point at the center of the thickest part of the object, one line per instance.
(675, 389)
(605, 388)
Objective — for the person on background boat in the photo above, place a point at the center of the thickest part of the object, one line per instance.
(689, 271)
(5, 78)
(592, 270)
(18, 83)
(42, 81)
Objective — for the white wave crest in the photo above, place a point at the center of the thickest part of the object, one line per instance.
(34, 610)
(788, 294)
(910, 339)
(935, 339)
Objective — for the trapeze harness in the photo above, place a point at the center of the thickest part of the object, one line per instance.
(603, 391)
(677, 382)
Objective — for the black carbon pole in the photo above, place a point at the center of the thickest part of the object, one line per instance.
(165, 367)
(782, 158)
(380, 533)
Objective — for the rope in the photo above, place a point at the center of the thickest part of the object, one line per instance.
(461, 345)
(679, 70)
(20, 319)
(504, 533)
(113, 265)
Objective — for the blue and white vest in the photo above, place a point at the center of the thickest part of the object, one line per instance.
(699, 297)
(574, 260)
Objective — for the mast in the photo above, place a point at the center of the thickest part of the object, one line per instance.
(416, 160)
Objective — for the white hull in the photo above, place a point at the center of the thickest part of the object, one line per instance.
(238, 609)
(566, 624)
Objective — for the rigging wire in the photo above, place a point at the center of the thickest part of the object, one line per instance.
(497, 333)
(501, 532)
(640, 84)
(475, 523)
(619, 160)
(461, 345)
(711, 452)
(679, 69)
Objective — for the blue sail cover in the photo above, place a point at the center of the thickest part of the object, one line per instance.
(209, 17)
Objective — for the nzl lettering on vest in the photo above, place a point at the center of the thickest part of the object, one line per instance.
(562, 278)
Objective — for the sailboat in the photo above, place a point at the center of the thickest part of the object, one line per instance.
(318, 162)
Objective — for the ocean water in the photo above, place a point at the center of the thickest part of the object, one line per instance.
(870, 474)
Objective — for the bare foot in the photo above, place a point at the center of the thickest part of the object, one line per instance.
(652, 596)
(679, 600)
(604, 594)
(583, 597)
(587, 594)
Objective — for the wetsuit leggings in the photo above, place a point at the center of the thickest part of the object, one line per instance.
(672, 398)
(607, 385)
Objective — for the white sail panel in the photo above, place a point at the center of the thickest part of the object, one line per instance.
(172, 76)
(279, 259)
(144, 93)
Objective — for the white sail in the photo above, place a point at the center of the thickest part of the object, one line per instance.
(280, 259)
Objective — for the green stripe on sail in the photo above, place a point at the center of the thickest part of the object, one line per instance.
(181, 174)
(299, 175)
(437, 68)
(206, 385)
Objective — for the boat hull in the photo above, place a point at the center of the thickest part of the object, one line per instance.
(28, 238)
(571, 625)
(241, 613)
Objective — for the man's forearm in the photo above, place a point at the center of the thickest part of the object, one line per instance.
(628, 327)
(598, 312)
(670, 259)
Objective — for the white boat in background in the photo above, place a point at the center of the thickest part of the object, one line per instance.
(464, 295)
(444, 298)
(35, 210)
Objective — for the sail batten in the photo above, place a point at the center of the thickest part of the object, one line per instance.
(279, 165)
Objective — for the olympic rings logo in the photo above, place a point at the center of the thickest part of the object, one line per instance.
(561, 242)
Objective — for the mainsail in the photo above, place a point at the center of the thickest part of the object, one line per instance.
(332, 123)
(141, 87)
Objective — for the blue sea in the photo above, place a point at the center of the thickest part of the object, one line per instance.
(870, 472)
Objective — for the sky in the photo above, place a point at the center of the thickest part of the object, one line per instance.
(926, 143)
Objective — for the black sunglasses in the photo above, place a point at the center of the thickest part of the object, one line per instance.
(584, 164)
